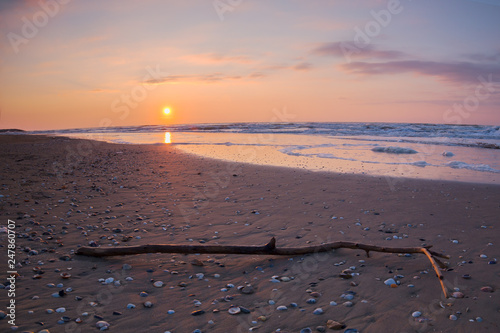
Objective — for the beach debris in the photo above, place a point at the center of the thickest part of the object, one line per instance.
(268, 249)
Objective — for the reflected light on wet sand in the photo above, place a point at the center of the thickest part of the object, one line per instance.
(167, 137)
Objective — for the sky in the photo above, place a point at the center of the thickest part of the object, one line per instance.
(74, 63)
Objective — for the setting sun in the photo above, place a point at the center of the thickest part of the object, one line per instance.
(166, 110)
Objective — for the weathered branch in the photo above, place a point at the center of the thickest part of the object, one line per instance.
(268, 249)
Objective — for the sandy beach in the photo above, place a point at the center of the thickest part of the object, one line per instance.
(66, 193)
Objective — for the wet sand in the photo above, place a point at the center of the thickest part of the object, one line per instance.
(65, 193)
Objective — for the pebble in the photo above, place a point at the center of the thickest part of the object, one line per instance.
(197, 313)
(466, 277)
(348, 297)
(334, 325)
(102, 325)
(318, 311)
(351, 330)
(60, 310)
(49, 311)
(281, 308)
(306, 330)
(148, 304)
(348, 304)
(2, 315)
(311, 301)
(458, 294)
(158, 284)
(130, 306)
(170, 311)
(487, 289)
(390, 282)
(126, 267)
(416, 314)
(453, 317)
(333, 303)
(248, 289)
(143, 294)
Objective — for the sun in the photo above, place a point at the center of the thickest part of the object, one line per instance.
(166, 111)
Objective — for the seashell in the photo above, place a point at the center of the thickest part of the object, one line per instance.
(234, 310)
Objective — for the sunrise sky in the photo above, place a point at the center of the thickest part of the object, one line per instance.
(70, 64)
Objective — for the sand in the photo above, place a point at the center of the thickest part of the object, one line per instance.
(64, 193)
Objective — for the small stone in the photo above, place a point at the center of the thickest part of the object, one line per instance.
(2, 315)
(158, 284)
(49, 311)
(143, 294)
(334, 325)
(333, 303)
(315, 294)
(318, 311)
(244, 310)
(351, 330)
(458, 294)
(466, 277)
(453, 317)
(148, 304)
(311, 301)
(197, 262)
(321, 329)
(487, 289)
(130, 306)
(492, 262)
(126, 267)
(306, 330)
(348, 304)
(197, 313)
(390, 282)
(248, 289)
(262, 318)
(170, 311)
(416, 314)
(281, 308)
(102, 325)
(483, 256)
(61, 310)
(479, 319)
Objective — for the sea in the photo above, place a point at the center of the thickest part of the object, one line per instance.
(465, 153)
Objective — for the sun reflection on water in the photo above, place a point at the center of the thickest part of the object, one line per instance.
(167, 137)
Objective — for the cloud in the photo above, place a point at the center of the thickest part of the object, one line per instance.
(303, 66)
(448, 71)
(202, 78)
(215, 58)
(350, 50)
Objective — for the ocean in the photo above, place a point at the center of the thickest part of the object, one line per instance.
(467, 153)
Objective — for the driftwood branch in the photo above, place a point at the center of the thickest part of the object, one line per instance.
(268, 249)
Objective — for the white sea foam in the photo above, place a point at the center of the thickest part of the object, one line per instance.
(474, 167)
(394, 150)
